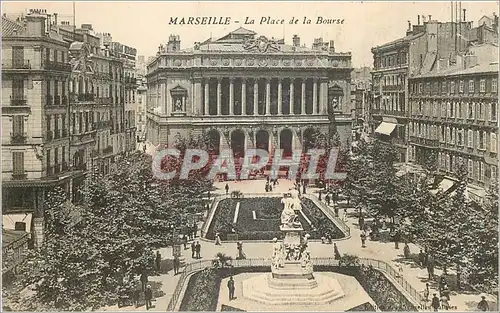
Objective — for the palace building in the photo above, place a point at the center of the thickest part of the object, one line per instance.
(248, 91)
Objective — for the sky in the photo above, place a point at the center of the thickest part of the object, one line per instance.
(145, 25)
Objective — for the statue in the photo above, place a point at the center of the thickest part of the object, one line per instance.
(277, 258)
(288, 213)
(306, 259)
(178, 105)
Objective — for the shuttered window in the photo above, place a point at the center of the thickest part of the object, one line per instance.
(18, 163)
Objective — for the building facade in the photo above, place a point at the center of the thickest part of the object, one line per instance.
(396, 61)
(36, 74)
(454, 114)
(247, 91)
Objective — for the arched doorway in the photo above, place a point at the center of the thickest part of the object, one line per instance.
(308, 141)
(238, 143)
(262, 140)
(213, 142)
(286, 139)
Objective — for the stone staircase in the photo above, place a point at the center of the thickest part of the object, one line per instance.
(291, 291)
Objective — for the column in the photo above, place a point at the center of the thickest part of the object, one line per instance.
(315, 97)
(219, 110)
(197, 97)
(303, 96)
(291, 96)
(207, 94)
(268, 96)
(256, 96)
(243, 96)
(324, 98)
(280, 97)
(231, 96)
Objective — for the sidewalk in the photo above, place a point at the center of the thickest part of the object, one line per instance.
(413, 274)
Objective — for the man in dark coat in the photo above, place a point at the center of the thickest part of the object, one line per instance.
(227, 188)
(430, 267)
(176, 265)
(230, 287)
(435, 303)
(148, 296)
(327, 199)
(336, 252)
(483, 304)
(421, 258)
(198, 249)
(193, 249)
(158, 261)
(144, 280)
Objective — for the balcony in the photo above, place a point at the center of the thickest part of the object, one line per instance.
(81, 167)
(57, 100)
(19, 174)
(57, 66)
(107, 100)
(49, 135)
(49, 100)
(85, 97)
(108, 150)
(18, 101)
(425, 142)
(393, 88)
(17, 65)
(18, 138)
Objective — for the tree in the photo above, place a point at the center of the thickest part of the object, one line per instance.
(93, 260)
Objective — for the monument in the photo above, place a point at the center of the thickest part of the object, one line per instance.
(292, 280)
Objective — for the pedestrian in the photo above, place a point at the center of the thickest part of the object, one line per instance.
(344, 218)
(195, 230)
(227, 188)
(336, 211)
(148, 296)
(361, 222)
(336, 252)
(217, 239)
(144, 148)
(230, 287)
(144, 280)
(327, 199)
(426, 293)
(241, 254)
(406, 251)
(483, 304)
(158, 261)
(185, 241)
(363, 238)
(267, 187)
(270, 188)
(209, 194)
(435, 303)
(445, 305)
(319, 196)
(421, 258)
(193, 249)
(304, 188)
(136, 295)
(198, 249)
(177, 264)
(430, 267)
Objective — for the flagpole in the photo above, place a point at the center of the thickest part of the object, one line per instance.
(74, 21)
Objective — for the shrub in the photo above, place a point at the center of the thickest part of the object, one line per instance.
(202, 292)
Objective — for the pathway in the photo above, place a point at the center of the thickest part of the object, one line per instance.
(414, 275)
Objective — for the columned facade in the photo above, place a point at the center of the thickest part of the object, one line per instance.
(249, 94)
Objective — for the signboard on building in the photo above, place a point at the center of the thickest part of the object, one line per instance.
(37, 11)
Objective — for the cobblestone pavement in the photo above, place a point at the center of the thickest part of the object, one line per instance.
(414, 275)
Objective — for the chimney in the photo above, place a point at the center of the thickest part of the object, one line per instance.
(296, 41)
(55, 19)
(430, 17)
(418, 19)
(35, 25)
(464, 15)
(409, 25)
(332, 46)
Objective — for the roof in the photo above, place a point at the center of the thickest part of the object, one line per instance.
(400, 40)
(10, 236)
(8, 27)
(243, 31)
(455, 71)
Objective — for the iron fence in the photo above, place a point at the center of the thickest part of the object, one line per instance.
(383, 266)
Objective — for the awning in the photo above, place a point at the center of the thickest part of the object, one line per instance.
(9, 221)
(385, 128)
